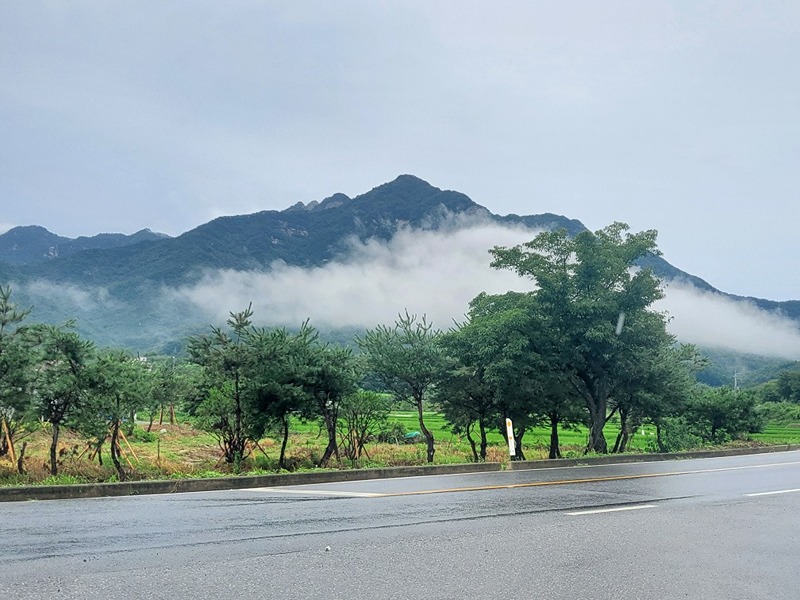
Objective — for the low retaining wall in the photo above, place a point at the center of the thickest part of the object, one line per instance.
(174, 486)
(611, 459)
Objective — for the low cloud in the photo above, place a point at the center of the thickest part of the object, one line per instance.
(426, 272)
(437, 273)
(712, 320)
(71, 298)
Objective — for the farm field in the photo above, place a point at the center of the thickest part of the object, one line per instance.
(180, 450)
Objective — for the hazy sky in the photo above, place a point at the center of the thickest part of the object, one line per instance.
(678, 116)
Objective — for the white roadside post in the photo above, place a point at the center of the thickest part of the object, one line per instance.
(512, 447)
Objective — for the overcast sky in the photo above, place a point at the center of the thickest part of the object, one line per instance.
(678, 116)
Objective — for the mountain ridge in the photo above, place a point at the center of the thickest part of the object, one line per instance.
(27, 244)
(116, 290)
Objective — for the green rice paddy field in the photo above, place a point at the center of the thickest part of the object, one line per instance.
(575, 439)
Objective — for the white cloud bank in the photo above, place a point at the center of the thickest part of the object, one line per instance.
(438, 273)
(425, 272)
(711, 320)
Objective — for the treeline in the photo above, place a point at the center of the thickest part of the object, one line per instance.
(585, 347)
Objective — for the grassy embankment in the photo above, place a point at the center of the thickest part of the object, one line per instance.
(182, 451)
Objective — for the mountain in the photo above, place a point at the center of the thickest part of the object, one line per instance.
(300, 235)
(119, 287)
(34, 244)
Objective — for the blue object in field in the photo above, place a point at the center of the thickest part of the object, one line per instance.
(412, 435)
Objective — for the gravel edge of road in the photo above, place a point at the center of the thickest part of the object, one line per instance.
(173, 486)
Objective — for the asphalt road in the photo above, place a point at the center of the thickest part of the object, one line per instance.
(722, 528)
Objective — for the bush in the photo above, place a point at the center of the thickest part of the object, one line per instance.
(677, 435)
(718, 415)
(142, 435)
(392, 433)
(780, 413)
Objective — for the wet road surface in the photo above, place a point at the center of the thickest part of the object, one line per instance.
(718, 528)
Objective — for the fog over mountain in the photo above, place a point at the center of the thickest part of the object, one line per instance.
(438, 272)
(345, 263)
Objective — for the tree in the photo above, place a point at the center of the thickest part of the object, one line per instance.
(120, 386)
(658, 382)
(407, 360)
(473, 389)
(505, 368)
(362, 414)
(789, 386)
(15, 363)
(720, 414)
(62, 381)
(222, 409)
(277, 388)
(328, 375)
(587, 287)
(171, 384)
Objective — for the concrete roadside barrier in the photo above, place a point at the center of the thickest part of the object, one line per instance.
(175, 486)
(615, 459)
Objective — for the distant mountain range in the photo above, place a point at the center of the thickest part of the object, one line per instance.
(33, 244)
(112, 283)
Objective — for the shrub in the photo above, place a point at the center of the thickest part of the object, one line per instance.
(392, 433)
(676, 435)
(781, 413)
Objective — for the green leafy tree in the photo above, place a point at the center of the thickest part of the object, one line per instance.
(119, 387)
(62, 380)
(222, 409)
(789, 386)
(332, 378)
(407, 360)
(172, 383)
(362, 415)
(505, 349)
(278, 390)
(327, 374)
(585, 283)
(16, 359)
(717, 415)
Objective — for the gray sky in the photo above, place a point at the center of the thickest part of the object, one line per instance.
(678, 116)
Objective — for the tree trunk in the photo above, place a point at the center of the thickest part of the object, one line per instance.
(239, 442)
(472, 443)
(20, 466)
(659, 440)
(284, 442)
(595, 395)
(518, 435)
(617, 443)
(484, 441)
(330, 417)
(626, 436)
(131, 424)
(622, 437)
(54, 450)
(115, 450)
(99, 451)
(332, 447)
(555, 447)
(597, 416)
(428, 435)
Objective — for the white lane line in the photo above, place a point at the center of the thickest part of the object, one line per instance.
(306, 492)
(773, 493)
(609, 510)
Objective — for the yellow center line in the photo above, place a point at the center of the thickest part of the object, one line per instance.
(507, 486)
